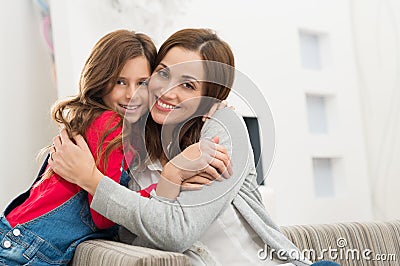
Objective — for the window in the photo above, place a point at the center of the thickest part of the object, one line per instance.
(317, 114)
(323, 177)
(310, 51)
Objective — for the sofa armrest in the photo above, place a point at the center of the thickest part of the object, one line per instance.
(351, 243)
(104, 252)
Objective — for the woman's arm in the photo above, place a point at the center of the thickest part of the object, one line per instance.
(200, 163)
(176, 225)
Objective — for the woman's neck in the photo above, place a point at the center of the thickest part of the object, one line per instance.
(167, 136)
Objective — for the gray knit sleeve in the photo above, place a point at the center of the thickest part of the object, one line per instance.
(176, 225)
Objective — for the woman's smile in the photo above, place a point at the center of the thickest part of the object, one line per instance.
(164, 106)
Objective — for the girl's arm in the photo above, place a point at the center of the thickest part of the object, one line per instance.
(98, 142)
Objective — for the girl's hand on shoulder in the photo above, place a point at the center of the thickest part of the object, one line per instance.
(198, 165)
(216, 107)
(204, 158)
(197, 182)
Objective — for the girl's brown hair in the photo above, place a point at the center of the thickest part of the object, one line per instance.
(97, 79)
(219, 75)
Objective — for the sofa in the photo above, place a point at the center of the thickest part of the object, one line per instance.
(355, 243)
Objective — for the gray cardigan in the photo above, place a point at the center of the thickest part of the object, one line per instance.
(177, 225)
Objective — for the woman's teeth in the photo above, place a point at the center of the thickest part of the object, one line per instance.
(166, 106)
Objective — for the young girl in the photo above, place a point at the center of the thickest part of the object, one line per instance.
(44, 225)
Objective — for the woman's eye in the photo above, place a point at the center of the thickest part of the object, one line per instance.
(163, 73)
(143, 83)
(188, 85)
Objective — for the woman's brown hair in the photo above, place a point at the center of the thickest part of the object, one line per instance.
(97, 79)
(219, 75)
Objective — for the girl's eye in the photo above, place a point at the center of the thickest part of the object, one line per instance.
(188, 86)
(121, 82)
(163, 73)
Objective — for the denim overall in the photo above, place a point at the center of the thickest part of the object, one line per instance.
(50, 239)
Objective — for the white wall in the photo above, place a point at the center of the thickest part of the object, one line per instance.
(27, 91)
(376, 26)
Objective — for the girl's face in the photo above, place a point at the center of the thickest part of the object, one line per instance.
(129, 96)
(175, 88)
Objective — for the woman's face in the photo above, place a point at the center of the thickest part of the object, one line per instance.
(176, 87)
(129, 96)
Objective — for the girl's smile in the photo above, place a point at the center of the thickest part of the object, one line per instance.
(129, 96)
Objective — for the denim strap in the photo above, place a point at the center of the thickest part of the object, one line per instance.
(33, 248)
(125, 177)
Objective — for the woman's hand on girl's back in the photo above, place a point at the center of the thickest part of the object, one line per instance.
(216, 107)
(74, 162)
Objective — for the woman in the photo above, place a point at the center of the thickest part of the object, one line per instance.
(221, 224)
